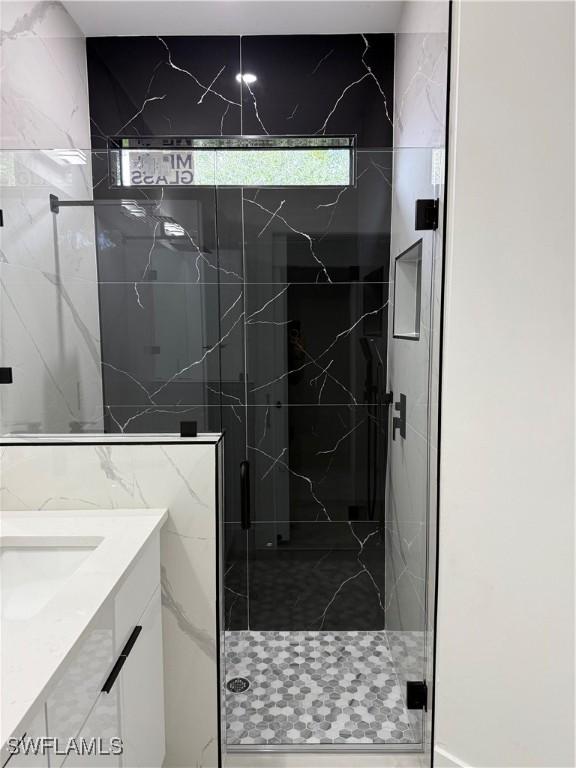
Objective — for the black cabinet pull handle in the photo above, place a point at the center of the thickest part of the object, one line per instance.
(245, 495)
(120, 661)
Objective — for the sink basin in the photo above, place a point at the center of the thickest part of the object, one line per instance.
(30, 575)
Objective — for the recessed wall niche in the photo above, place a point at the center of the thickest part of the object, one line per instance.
(407, 290)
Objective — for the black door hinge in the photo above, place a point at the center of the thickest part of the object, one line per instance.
(416, 694)
(399, 422)
(6, 376)
(1, 217)
(426, 214)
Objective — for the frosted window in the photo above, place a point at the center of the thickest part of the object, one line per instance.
(283, 164)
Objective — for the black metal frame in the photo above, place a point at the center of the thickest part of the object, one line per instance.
(440, 367)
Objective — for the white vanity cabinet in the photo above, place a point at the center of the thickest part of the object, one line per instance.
(104, 706)
(104, 723)
(142, 694)
(133, 708)
(35, 729)
(71, 700)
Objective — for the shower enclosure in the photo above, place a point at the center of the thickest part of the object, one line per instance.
(280, 289)
(260, 300)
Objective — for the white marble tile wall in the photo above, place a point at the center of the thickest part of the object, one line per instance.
(181, 477)
(408, 370)
(420, 88)
(421, 56)
(49, 326)
(419, 124)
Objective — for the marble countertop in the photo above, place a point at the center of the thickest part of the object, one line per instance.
(34, 648)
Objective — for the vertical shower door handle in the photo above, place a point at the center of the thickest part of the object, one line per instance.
(399, 422)
(245, 495)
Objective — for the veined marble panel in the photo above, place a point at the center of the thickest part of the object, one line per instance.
(183, 479)
(50, 337)
(335, 84)
(420, 86)
(420, 74)
(49, 321)
(44, 88)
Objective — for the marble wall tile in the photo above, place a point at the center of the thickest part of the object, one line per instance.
(299, 355)
(420, 77)
(419, 121)
(327, 576)
(154, 86)
(49, 332)
(319, 234)
(172, 307)
(335, 84)
(330, 84)
(262, 239)
(183, 479)
(166, 343)
(50, 323)
(44, 91)
(421, 82)
(311, 526)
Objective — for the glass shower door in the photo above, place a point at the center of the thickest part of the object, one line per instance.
(335, 578)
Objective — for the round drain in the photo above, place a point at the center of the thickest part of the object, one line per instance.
(238, 684)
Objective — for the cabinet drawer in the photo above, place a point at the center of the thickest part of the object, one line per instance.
(100, 731)
(135, 592)
(142, 693)
(76, 691)
(35, 729)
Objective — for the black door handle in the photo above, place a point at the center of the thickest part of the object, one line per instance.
(399, 422)
(245, 495)
(121, 660)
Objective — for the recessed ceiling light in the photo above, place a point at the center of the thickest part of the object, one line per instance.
(248, 78)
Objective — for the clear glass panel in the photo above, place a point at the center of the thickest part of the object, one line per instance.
(335, 551)
(266, 312)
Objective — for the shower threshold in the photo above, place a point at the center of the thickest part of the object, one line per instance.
(337, 749)
(314, 691)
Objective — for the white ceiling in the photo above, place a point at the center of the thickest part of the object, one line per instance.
(97, 18)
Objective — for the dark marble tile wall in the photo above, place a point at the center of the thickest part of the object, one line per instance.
(330, 84)
(260, 318)
(154, 86)
(306, 85)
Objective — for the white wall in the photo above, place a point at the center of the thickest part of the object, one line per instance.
(505, 670)
(49, 326)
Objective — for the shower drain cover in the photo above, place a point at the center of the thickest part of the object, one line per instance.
(238, 684)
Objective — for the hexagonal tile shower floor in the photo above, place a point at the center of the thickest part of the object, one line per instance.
(315, 688)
